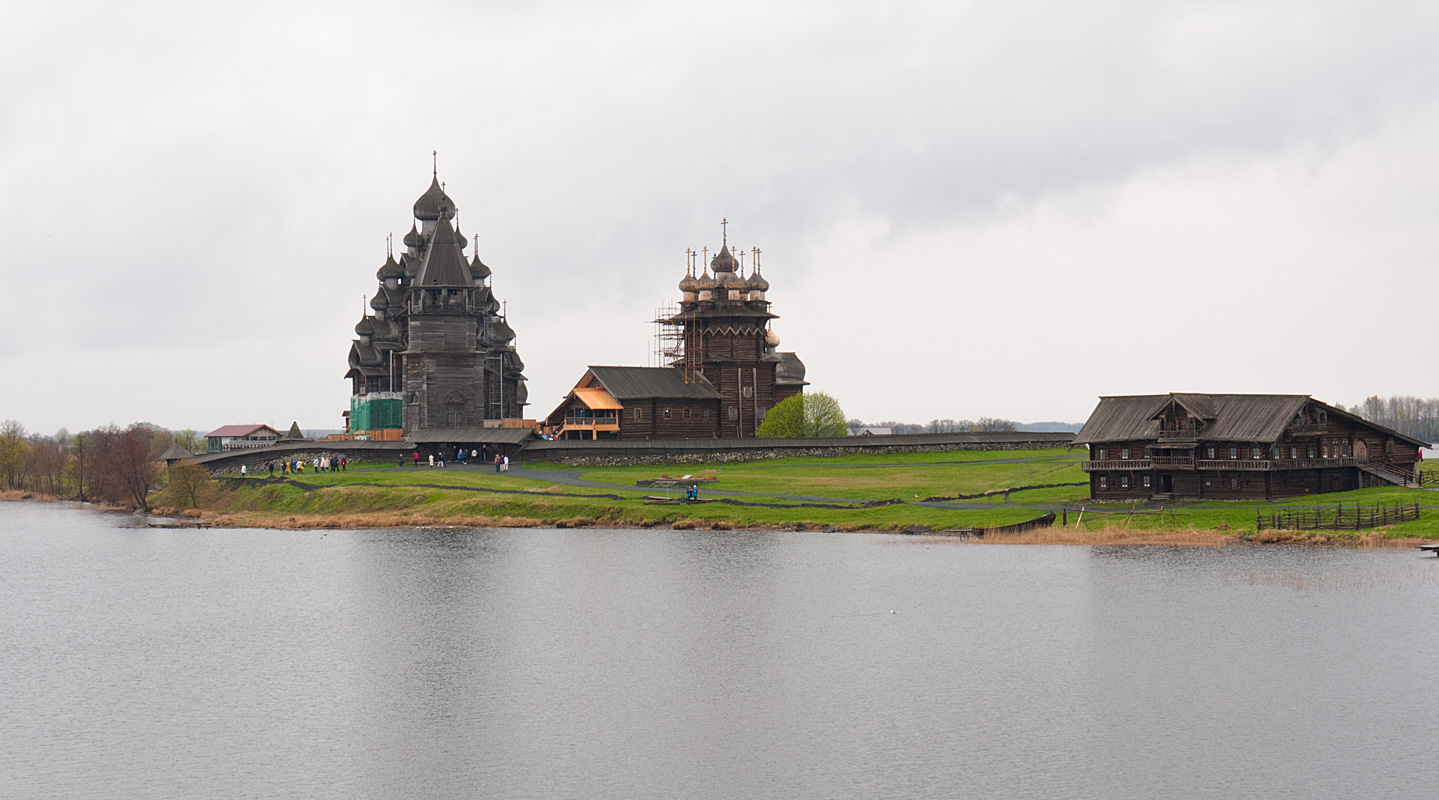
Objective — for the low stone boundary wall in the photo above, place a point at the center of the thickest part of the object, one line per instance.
(618, 452)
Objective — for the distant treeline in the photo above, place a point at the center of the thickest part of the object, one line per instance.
(113, 465)
(982, 425)
(1411, 416)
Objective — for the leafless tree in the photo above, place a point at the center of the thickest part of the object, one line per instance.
(188, 483)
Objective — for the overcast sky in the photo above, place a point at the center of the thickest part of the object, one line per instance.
(965, 209)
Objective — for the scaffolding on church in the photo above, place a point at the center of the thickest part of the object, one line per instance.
(678, 341)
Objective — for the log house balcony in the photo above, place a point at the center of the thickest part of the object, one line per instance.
(1216, 464)
(1182, 433)
(1115, 463)
(591, 424)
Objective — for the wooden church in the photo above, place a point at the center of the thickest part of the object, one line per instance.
(723, 369)
(435, 353)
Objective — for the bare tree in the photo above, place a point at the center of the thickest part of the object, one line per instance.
(133, 471)
(188, 483)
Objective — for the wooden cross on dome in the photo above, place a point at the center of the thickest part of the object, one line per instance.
(724, 227)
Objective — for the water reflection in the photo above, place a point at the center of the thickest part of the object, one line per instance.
(602, 663)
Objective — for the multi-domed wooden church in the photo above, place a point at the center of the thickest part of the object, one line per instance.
(435, 360)
(723, 367)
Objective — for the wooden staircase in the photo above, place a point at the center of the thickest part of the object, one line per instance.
(1390, 473)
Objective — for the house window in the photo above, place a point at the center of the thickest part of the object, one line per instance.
(687, 412)
(763, 412)
(637, 412)
(1146, 481)
(749, 391)
(1311, 451)
(733, 412)
(1147, 453)
(1257, 452)
(1124, 481)
(1324, 450)
(1209, 451)
(1101, 454)
(1294, 453)
(1124, 452)
(1234, 483)
(667, 413)
(1234, 452)
(705, 414)
(1104, 481)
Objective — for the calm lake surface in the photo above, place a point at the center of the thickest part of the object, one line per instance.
(616, 663)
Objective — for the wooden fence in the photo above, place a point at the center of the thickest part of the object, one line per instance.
(1338, 518)
(1429, 477)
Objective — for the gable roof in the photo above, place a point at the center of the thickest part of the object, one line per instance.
(238, 430)
(1231, 417)
(444, 263)
(627, 383)
(596, 399)
(1116, 418)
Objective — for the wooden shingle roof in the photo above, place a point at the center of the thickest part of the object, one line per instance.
(1230, 417)
(444, 263)
(633, 383)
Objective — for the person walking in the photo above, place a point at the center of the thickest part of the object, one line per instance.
(270, 465)
(432, 460)
(497, 463)
(244, 470)
(417, 458)
(507, 464)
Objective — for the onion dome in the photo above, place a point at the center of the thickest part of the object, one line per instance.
(689, 283)
(413, 238)
(704, 281)
(500, 331)
(462, 241)
(434, 203)
(390, 269)
(757, 283)
(378, 301)
(771, 338)
(364, 328)
(723, 261)
(478, 270)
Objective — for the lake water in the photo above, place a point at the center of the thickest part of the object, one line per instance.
(629, 664)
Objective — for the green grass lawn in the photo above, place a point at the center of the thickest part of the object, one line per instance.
(482, 493)
(879, 476)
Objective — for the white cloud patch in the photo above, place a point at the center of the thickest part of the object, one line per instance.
(966, 209)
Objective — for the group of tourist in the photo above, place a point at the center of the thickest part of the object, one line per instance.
(502, 463)
(297, 466)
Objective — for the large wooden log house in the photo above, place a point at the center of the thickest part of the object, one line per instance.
(1237, 447)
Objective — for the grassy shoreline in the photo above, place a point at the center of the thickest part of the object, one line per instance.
(881, 493)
